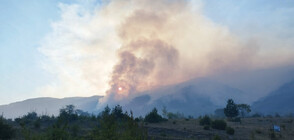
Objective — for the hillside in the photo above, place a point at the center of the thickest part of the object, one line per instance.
(194, 97)
(278, 101)
(47, 106)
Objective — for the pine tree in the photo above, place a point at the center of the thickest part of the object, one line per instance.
(231, 109)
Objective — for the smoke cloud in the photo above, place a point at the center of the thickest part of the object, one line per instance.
(122, 47)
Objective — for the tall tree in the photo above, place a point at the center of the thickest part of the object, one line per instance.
(231, 109)
(244, 109)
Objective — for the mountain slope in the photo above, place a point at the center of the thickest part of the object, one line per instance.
(195, 97)
(48, 106)
(279, 101)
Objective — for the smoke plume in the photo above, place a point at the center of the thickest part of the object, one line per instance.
(123, 47)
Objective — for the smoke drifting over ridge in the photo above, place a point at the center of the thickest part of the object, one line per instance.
(127, 46)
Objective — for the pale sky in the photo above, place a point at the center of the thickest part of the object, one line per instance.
(25, 24)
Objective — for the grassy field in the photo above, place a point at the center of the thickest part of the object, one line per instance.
(248, 129)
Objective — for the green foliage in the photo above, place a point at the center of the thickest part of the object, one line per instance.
(71, 123)
(206, 127)
(37, 123)
(27, 119)
(177, 115)
(231, 109)
(58, 132)
(244, 109)
(258, 131)
(6, 131)
(216, 137)
(219, 124)
(117, 126)
(153, 117)
(230, 130)
(205, 120)
(68, 114)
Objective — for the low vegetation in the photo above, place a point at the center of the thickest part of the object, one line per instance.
(6, 131)
(116, 124)
(154, 117)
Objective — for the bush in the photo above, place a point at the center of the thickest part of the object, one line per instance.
(68, 114)
(230, 130)
(177, 115)
(153, 117)
(206, 127)
(272, 135)
(216, 137)
(205, 120)
(219, 124)
(258, 131)
(6, 131)
(37, 123)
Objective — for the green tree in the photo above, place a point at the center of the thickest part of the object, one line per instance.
(205, 120)
(68, 114)
(6, 131)
(244, 109)
(153, 117)
(231, 109)
(117, 112)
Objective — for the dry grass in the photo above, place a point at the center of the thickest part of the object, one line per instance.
(249, 129)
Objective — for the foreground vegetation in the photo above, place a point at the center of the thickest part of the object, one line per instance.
(114, 124)
(71, 124)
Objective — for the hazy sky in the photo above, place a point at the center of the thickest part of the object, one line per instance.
(31, 67)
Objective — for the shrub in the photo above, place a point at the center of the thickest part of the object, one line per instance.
(177, 115)
(219, 124)
(37, 123)
(162, 134)
(68, 114)
(272, 135)
(153, 117)
(230, 130)
(205, 120)
(258, 131)
(6, 131)
(137, 120)
(206, 127)
(216, 137)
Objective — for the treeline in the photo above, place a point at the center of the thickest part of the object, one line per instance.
(73, 124)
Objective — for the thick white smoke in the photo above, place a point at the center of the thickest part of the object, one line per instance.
(122, 47)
